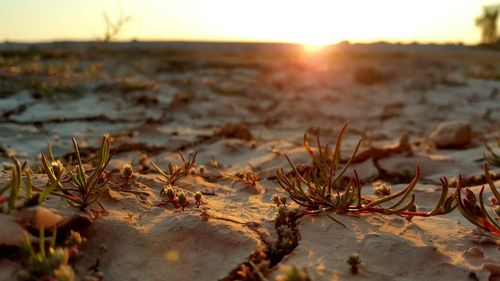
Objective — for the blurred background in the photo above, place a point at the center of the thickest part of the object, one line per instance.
(307, 22)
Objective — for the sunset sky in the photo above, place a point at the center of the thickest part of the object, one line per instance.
(300, 21)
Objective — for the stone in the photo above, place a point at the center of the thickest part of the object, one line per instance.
(452, 134)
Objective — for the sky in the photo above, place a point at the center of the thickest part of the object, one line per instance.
(299, 21)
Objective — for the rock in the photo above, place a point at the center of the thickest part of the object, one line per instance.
(38, 217)
(11, 234)
(453, 134)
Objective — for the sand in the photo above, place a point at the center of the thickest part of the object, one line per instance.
(242, 107)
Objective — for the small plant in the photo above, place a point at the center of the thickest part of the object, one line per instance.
(127, 171)
(474, 210)
(382, 189)
(50, 263)
(182, 200)
(175, 172)
(293, 273)
(244, 177)
(86, 188)
(279, 200)
(198, 198)
(325, 191)
(178, 199)
(491, 157)
(10, 203)
(354, 261)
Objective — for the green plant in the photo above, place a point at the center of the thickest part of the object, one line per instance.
(86, 187)
(473, 209)
(175, 172)
(50, 263)
(15, 188)
(354, 261)
(490, 156)
(325, 191)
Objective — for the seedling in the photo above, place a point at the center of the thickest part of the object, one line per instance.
(244, 177)
(15, 188)
(179, 199)
(127, 172)
(182, 200)
(198, 197)
(279, 200)
(50, 263)
(175, 172)
(86, 188)
(354, 262)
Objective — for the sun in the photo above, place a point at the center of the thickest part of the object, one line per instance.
(314, 47)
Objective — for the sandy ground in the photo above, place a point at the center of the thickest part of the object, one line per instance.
(241, 107)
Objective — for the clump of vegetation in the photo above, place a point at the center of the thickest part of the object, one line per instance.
(285, 224)
(52, 263)
(491, 156)
(244, 177)
(381, 189)
(474, 210)
(10, 203)
(326, 192)
(171, 177)
(177, 199)
(127, 171)
(175, 172)
(354, 261)
(198, 198)
(86, 188)
(293, 273)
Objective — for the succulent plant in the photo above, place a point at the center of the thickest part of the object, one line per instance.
(127, 171)
(325, 191)
(474, 210)
(182, 200)
(198, 198)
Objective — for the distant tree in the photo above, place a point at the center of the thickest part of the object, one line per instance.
(488, 23)
(112, 29)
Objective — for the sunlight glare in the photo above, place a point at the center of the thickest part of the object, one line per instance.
(314, 48)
